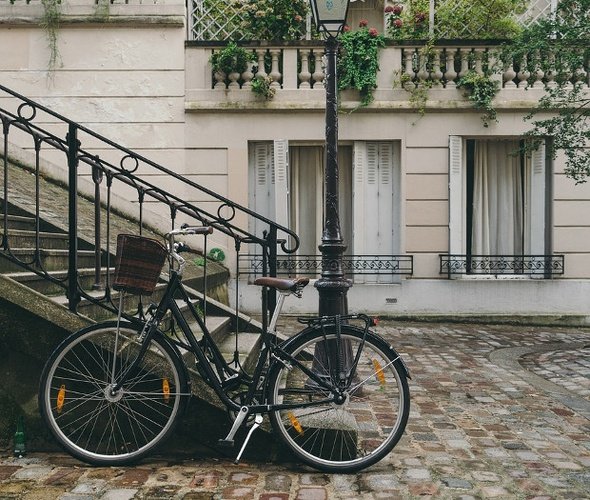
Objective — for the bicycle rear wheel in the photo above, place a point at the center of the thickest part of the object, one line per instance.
(91, 422)
(359, 430)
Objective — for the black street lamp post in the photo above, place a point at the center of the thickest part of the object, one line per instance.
(330, 17)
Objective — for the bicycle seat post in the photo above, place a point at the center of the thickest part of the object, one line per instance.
(272, 327)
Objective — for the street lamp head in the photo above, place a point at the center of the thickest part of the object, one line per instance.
(329, 15)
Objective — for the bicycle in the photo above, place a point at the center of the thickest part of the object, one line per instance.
(336, 393)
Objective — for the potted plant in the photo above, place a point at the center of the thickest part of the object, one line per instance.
(231, 61)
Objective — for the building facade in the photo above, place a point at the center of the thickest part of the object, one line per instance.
(441, 214)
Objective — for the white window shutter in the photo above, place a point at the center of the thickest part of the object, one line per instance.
(262, 189)
(456, 196)
(281, 176)
(358, 194)
(537, 202)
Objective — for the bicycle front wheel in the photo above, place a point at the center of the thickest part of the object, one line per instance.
(363, 426)
(100, 426)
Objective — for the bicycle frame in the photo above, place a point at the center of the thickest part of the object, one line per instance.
(215, 378)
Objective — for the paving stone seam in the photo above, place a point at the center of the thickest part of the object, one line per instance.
(508, 358)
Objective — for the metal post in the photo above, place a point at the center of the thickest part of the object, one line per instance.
(332, 286)
(73, 293)
(97, 178)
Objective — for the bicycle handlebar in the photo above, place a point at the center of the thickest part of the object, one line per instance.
(185, 229)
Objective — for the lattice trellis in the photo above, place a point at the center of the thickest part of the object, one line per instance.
(213, 20)
(216, 20)
(535, 10)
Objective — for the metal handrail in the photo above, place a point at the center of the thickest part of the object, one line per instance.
(223, 219)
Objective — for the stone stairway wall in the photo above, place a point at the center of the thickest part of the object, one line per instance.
(33, 313)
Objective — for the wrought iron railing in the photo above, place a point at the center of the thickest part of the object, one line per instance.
(312, 265)
(30, 128)
(533, 265)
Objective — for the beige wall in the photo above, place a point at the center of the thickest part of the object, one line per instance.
(135, 82)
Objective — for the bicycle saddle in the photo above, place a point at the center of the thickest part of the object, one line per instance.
(293, 285)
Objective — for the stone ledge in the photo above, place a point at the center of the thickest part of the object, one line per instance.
(117, 15)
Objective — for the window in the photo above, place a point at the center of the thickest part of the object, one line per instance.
(497, 203)
(287, 184)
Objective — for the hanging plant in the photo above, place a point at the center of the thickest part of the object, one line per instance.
(481, 90)
(261, 86)
(50, 23)
(358, 63)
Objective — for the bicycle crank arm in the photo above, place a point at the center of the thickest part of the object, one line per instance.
(257, 422)
(228, 442)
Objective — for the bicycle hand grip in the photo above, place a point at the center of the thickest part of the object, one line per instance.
(186, 229)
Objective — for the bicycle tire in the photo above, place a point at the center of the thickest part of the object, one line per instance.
(345, 437)
(96, 426)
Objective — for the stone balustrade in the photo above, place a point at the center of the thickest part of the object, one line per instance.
(409, 66)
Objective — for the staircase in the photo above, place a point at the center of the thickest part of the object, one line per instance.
(58, 228)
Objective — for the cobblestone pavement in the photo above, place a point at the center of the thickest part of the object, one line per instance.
(497, 412)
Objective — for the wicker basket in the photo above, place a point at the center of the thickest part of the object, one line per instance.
(139, 264)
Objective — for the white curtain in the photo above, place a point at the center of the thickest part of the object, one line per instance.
(498, 208)
(307, 185)
(306, 196)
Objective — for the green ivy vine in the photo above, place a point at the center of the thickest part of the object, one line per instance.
(481, 91)
(50, 23)
(358, 63)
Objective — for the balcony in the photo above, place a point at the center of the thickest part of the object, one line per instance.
(312, 265)
(297, 75)
(544, 266)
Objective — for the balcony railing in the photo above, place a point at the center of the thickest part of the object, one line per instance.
(403, 67)
(353, 265)
(531, 265)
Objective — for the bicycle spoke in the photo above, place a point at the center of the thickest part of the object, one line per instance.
(368, 405)
(111, 428)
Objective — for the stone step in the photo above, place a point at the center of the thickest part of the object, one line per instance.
(51, 260)
(20, 222)
(86, 278)
(248, 348)
(19, 238)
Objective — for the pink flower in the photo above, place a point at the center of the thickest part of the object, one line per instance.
(373, 32)
(298, 19)
(398, 23)
(389, 9)
(397, 9)
(363, 23)
(346, 28)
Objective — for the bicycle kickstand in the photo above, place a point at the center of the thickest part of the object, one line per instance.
(257, 421)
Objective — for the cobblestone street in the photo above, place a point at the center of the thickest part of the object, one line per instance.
(497, 412)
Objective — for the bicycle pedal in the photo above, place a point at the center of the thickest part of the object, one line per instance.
(225, 443)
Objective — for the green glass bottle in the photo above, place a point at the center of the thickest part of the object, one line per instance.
(20, 447)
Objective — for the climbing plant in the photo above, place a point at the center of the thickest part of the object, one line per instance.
(481, 91)
(358, 63)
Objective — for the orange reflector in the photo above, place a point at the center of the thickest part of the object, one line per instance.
(295, 423)
(379, 372)
(166, 389)
(61, 397)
